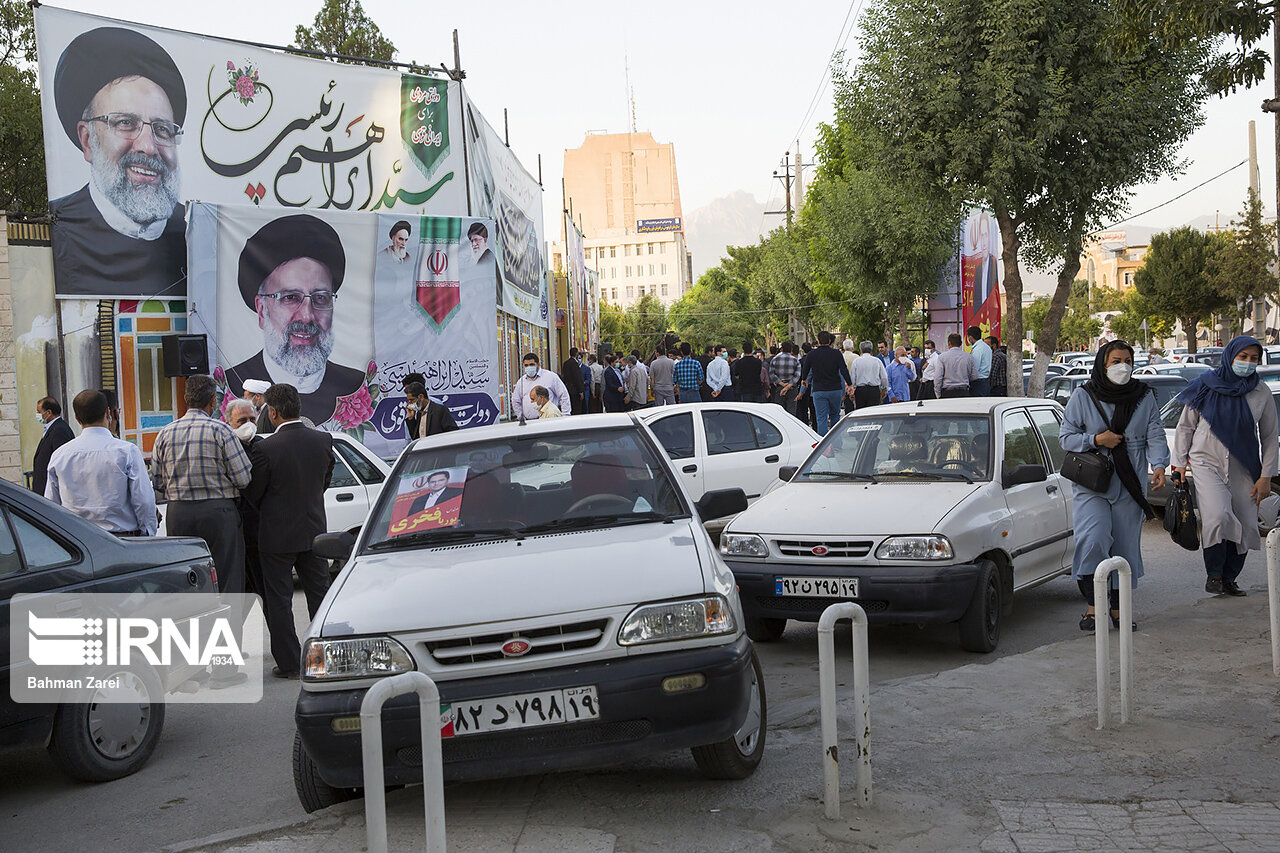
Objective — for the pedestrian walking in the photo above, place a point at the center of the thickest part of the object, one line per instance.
(662, 375)
(535, 374)
(980, 386)
(541, 398)
(291, 470)
(1118, 416)
(956, 372)
(687, 375)
(900, 375)
(571, 376)
(870, 378)
(828, 381)
(101, 478)
(612, 386)
(432, 418)
(1227, 415)
(999, 367)
(57, 432)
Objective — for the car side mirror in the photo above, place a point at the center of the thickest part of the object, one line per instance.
(721, 502)
(1024, 474)
(786, 472)
(334, 546)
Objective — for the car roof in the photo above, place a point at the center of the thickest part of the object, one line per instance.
(511, 429)
(954, 406)
(1161, 379)
(651, 412)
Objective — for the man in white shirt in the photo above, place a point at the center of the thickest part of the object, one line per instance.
(101, 478)
(930, 370)
(719, 376)
(870, 378)
(535, 375)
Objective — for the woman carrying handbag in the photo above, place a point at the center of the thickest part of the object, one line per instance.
(1113, 415)
(1227, 415)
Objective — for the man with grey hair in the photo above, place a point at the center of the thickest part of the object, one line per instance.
(637, 383)
(870, 378)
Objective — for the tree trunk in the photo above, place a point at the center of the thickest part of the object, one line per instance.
(1047, 340)
(902, 324)
(1189, 329)
(1011, 324)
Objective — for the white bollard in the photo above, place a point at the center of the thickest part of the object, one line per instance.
(827, 705)
(1102, 611)
(1273, 596)
(375, 795)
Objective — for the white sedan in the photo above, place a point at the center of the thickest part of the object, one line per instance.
(729, 445)
(936, 511)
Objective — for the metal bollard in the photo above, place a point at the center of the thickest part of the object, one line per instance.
(1273, 596)
(375, 795)
(827, 705)
(1101, 575)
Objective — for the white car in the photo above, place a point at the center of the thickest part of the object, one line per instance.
(1187, 371)
(936, 511)
(560, 589)
(358, 476)
(729, 445)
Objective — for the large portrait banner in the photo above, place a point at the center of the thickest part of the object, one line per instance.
(979, 269)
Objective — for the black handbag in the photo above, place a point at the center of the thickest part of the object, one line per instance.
(1090, 468)
(1180, 516)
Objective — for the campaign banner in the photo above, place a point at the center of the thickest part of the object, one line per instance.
(344, 306)
(653, 226)
(428, 501)
(139, 120)
(979, 270)
(503, 191)
(579, 302)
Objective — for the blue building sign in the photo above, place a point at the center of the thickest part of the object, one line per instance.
(649, 226)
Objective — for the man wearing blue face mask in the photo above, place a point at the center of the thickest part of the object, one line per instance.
(534, 376)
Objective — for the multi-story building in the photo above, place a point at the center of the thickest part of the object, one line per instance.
(622, 189)
(1110, 259)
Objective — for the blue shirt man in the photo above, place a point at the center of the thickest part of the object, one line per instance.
(981, 352)
(901, 373)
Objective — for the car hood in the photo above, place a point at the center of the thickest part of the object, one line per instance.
(822, 509)
(497, 581)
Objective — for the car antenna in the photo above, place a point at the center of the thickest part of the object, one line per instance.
(522, 420)
(920, 404)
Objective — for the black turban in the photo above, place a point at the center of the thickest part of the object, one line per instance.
(399, 226)
(100, 56)
(282, 240)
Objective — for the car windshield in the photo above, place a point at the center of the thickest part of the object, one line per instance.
(523, 484)
(934, 446)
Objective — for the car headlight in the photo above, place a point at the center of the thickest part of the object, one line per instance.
(737, 545)
(360, 657)
(915, 548)
(677, 620)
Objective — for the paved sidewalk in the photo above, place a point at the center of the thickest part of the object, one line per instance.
(1000, 756)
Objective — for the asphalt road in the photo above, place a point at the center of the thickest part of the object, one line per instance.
(223, 767)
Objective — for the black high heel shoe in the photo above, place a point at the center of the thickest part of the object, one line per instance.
(1088, 622)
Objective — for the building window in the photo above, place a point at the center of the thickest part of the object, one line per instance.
(613, 251)
(627, 270)
(651, 248)
(626, 250)
(613, 272)
(650, 269)
(664, 290)
(614, 292)
(664, 248)
(631, 292)
(664, 269)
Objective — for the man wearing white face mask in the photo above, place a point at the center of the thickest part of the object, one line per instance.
(535, 375)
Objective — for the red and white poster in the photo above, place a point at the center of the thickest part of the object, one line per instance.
(427, 501)
(980, 274)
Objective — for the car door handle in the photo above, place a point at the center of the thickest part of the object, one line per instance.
(1051, 488)
(690, 469)
(345, 496)
(772, 457)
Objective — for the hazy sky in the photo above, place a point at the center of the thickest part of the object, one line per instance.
(728, 83)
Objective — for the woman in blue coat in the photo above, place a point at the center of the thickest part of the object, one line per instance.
(1116, 415)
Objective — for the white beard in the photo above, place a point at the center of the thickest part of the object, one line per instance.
(300, 361)
(143, 204)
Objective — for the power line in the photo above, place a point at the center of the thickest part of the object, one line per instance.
(751, 310)
(1172, 200)
(854, 7)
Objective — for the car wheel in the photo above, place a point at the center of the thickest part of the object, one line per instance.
(738, 756)
(313, 792)
(980, 625)
(97, 741)
(762, 629)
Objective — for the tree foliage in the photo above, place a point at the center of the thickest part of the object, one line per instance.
(1231, 29)
(22, 169)
(717, 310)
(1134, 311)
(1241, 269)
(342, 27)
(1175, 280)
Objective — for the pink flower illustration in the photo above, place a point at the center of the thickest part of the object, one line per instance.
(231, 65)
(219, 377)
(245, 87)
(354, 409)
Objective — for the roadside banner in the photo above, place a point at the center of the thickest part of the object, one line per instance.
(979, 268)
(139, 120)
(343, 306)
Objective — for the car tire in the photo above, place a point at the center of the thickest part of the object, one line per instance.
(762, 629)
(99, 741)
(737, 756)
(980, 624)
(313, 792)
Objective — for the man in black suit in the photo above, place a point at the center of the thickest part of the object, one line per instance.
(438, 482)
(289, 275)
(57, 432)
(571, 375)
(291, 469)
(431, 417)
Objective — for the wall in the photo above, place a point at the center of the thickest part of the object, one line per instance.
(35, 329)
(10, 447)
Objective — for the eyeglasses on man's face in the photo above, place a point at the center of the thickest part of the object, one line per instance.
(129, 126)
(321, 300)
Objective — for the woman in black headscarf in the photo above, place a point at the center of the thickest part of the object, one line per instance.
(1116, 415)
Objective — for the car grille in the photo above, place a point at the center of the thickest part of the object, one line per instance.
(845, 549)
(810, 605)
(530, 742)
(542, 641)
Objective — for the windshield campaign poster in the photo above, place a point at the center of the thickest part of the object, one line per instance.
(427, 501)
(344, 306)
(139, 120)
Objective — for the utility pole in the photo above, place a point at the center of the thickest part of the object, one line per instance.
(785, 177)
(1272, 106)
(799, 193)
(1255, 187)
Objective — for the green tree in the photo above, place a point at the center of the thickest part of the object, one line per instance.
(1241, 269)
(1079, 327)
(648, 322)
(1024, 106)
(1134, 311)
(342, 27)
(715, 311)
(1230, 28)
(1103, 298)
(614, 326)
(1174, 280)
(22, 170)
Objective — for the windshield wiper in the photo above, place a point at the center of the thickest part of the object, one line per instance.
(843, 475)
(931, 475)
(443, 537)
(594, 520)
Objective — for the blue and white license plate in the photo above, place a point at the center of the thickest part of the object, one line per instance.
(810, 587)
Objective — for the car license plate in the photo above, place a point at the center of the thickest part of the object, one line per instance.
(816, 587)
(519, 711)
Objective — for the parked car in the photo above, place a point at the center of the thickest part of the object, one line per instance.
(570, 606)
(936, 511)
(727, 445)
(45, 548)
(1187, 370)
(1165, 386)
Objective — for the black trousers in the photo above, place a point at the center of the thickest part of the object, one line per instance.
(1086, 589)
(926, 391)
(1223, 561)
(962, 391)
(277, 601)
(866, 395)
(217, 522)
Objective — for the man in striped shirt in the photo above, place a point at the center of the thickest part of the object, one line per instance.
(688, 375)
(784, 377)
